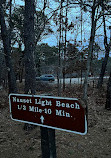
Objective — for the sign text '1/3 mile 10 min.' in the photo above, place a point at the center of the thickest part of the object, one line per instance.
(65, 114)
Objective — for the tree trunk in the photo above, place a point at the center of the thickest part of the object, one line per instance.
(65, 45)
(103, 68)
(7, 51)
(29, 41)
(107, 49)
(108, 95)
(60, 64)
(90, 52)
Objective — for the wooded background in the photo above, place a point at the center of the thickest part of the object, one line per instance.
(23, 57)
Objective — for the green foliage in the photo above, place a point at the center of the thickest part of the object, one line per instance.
(18, 23)
(18, 18)
(41, 21)
(46, 57)
(72, 51)
(96, 66)
(75, 59)
(46, 54)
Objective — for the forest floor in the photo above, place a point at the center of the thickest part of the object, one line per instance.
(15, 142)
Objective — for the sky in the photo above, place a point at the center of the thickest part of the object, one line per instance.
(74, 15)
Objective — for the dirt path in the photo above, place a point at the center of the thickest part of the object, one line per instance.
(17, 143)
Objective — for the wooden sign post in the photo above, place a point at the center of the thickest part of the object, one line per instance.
(48, 144)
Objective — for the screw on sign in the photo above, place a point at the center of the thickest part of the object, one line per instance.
(65, 114)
